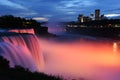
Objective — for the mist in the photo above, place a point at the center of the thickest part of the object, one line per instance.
(82, 59)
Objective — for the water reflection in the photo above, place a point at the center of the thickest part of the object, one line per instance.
(91, 60)
(115, 47)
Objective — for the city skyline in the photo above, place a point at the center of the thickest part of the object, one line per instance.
(57, 10)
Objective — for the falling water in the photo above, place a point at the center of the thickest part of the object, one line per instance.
(91, 60)
(21, 49)
(15, 55)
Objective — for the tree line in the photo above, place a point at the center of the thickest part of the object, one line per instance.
(12, 22)
(9, 21)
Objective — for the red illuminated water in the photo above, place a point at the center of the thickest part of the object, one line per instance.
(70, 57)
(22, 49)
(91, 60)
(31, 31)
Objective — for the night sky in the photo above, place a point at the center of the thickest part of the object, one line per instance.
(58, 10)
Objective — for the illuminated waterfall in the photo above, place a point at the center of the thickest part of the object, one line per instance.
(21, 49)
(31, 31)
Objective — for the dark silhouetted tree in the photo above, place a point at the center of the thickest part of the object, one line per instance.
(19, 73)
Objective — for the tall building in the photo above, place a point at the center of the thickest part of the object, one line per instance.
(80, 18)
(97, 14)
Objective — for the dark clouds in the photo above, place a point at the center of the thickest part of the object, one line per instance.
(56, 9)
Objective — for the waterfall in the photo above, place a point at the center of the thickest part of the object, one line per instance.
(31, 31)
(21, 49)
